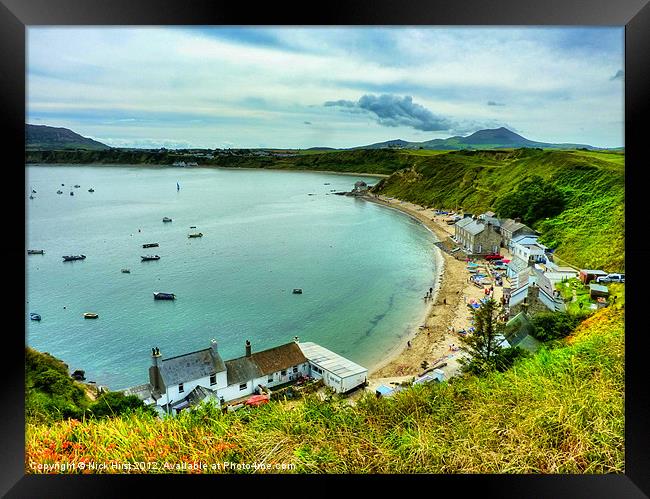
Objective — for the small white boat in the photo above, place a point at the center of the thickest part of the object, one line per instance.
(91, 315)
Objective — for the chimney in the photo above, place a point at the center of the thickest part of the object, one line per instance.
(248, 348)
(154, 370)
(155, 355)
(296, 339)
(517, 220)
(213, 346)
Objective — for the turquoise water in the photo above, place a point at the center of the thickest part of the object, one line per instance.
(363, 268)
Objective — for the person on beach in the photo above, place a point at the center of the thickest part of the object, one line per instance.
(408, 344)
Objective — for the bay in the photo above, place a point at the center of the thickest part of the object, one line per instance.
(363, 268)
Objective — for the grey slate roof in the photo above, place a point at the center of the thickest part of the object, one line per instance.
(463, 222)
(241, 370)
(512, 226)
(190, 366)
(517, 264)
(143, 392)
(475, 228)
(518, 333)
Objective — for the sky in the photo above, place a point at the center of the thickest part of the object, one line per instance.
(301, 87)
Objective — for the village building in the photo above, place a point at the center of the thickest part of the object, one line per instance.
(476, 236)
(337, 372)
(182, 381)
(518, 332)
(527, 248)
(512, 228)
(360, 187)
(588, 275)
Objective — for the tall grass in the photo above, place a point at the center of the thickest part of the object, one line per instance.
(560, 411)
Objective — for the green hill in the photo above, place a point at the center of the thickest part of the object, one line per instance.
(42, 137)
(589, 228)
(560, 411)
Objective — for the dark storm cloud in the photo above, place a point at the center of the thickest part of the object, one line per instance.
(393, 111)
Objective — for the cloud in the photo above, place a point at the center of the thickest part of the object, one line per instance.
(620, 74)
(393, 111)
(494, 103)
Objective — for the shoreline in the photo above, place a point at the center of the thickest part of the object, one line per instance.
(447, 309)
(159, 165)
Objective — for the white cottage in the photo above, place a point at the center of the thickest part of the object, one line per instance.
(337, 372)
(184, 380)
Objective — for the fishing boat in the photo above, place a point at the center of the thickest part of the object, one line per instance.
(146, 258)
(34, 316)
(150, 245)
(297, 291)
(91, 190)
(126, 271)
(90, 315)
(59, 191)
(195, 234)
(167, 219)
(35, 252)
(157, 295)
(71, 258)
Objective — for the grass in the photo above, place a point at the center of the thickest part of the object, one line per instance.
(560, 411)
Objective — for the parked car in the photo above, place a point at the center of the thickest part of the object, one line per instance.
(611, 278)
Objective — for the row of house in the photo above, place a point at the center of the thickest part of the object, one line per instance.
(178, 382)
(531, 271)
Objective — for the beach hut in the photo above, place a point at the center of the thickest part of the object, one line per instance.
(336, 371)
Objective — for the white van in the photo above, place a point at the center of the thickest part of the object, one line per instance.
(611, 278)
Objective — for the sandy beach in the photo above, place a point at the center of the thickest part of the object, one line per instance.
(448, 309)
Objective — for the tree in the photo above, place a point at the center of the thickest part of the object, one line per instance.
(484, 345)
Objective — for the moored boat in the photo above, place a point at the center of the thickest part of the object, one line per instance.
(70, 258)
(146, 258)
(91, 315)
(167, 219)
(91, 190)
(150, 245)
(31, 197)
(195, 234)
(71, 193)
(59, 191)
(126, 271)
(34, 316)
(77, 186)
(297, 291)
(158, 295)
(35, 252)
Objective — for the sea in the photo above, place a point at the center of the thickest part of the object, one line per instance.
(363, 268)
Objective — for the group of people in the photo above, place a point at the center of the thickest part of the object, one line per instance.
(429, 295)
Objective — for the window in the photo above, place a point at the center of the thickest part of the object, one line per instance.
(317, 369)
(270, 379)
(243, 386)
(284, 372)
(180, 388)
(295, 369)
(213, 379)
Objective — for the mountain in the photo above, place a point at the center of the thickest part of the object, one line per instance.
(492, 138)
(42, 137)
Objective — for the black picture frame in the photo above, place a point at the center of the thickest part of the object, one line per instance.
(16, 15)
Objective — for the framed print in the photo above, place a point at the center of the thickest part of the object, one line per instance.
(383, 243)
